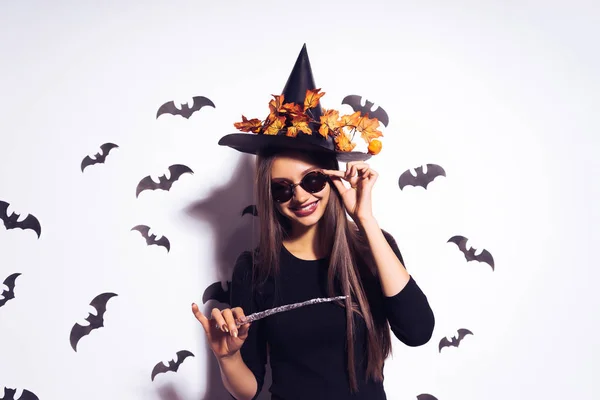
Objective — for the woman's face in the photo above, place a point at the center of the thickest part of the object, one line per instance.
(304, 209)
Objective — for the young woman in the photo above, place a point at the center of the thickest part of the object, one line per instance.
(307, 249)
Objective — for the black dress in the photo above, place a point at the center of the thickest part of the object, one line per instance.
(307, 346)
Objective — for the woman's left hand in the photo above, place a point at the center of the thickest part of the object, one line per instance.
(357, 197)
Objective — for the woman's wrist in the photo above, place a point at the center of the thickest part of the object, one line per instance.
(230, 359)
(366, 222)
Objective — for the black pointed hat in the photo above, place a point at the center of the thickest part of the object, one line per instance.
(260, 136)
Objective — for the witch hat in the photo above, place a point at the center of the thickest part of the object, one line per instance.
(278, 132)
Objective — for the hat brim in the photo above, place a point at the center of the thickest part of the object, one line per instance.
(252, 143)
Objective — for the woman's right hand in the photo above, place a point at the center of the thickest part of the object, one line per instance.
(223, 335)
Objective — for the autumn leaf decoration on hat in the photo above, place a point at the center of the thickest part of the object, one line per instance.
(292, 118)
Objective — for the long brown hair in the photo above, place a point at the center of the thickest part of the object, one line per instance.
(350, 263)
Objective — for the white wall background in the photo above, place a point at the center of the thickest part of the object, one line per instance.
(503, 95)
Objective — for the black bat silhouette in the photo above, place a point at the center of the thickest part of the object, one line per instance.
(150, 240)
(354, 101)
(10, 293)
(455, 341)
(408, 179)
(251, 209)
(99, 158)
(9, 394)
(96, 321)
(176, 171)
(426, 396)
(461, 242)
(215, 292)
(173, 365)
(11, 221)
(186, 111)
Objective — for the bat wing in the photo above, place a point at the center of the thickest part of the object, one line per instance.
(215, 292)
(77, 332)
(381, 116)
(159, 369)
(168, 108)
(251, 209)
(146, 184)
(30, 222)
(462, 333)
(164, 242)
(199, 102)
(177, 170)
(408, 179)
(353, 101)
(460, 241)
(86, 162)
(444, 343)
(3, 209)
(181, 356)
(10, 293)
(99, 302)
(27, 395)
(485, 257)
(433, 171)
(107, 147)
(143, 229)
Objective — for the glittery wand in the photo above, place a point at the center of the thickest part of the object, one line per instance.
(271, 311)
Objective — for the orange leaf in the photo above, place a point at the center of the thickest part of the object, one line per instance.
(349, 120)
(311, 100)
(293, 109)
(368, 129)
(301, 124)
(374, 147)
(329, 122)
(343, 142)
(276, 103)
(275, 126)
(252, 125)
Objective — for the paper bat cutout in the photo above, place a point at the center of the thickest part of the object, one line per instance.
(99, 158)
(215, 292)
(10, 293)
(354, 101)
(12, 221)
(9, 394)
(173, 365)
(426, 396)
(461, 242)
(176, 171)
(251, 209)
(151, 240)
(186, 111)
(408, 179)
(455, 341)
(96, 321)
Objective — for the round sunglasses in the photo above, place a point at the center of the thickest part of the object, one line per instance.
(312, 182)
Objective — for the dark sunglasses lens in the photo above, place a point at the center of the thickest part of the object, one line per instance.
(314, 182)
(281, 192)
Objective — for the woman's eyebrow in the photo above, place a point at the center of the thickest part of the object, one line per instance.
(309, 170)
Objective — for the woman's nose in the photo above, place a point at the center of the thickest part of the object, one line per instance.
(300, 194)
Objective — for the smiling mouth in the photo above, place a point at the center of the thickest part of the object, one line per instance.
(304, 208)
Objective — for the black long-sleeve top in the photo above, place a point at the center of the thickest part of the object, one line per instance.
(307, 346)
